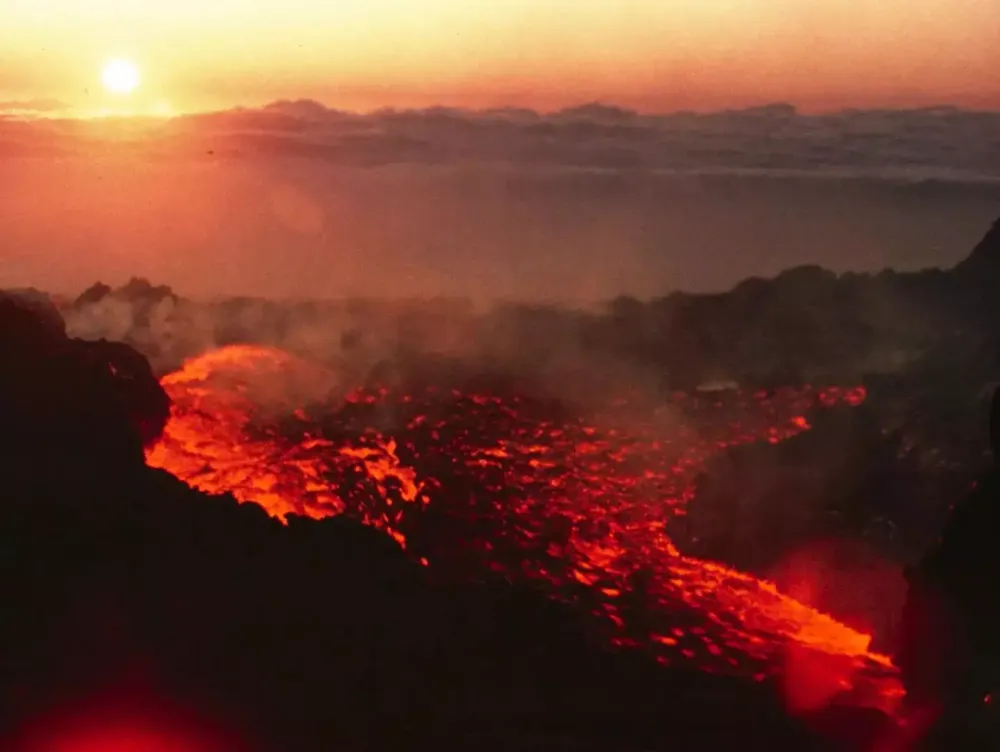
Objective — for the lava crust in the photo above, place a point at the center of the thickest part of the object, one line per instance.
(495, 484)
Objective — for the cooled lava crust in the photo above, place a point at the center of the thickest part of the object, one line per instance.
(496, 484)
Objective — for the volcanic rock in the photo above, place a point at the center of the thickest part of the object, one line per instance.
(983, 264)
(121, 581)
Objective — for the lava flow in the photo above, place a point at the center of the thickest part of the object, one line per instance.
(501, 483)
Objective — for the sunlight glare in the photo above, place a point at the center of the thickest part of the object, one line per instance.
(120, 76)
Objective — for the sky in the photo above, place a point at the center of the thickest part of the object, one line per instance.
(650, 55)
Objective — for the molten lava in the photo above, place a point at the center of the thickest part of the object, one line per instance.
(500, 483)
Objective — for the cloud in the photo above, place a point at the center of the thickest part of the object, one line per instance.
(942, 143)
(297, 200)
(31, 107)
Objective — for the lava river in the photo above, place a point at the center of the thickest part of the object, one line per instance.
(493, 482)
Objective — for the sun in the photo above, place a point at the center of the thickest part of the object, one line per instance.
(120, 76)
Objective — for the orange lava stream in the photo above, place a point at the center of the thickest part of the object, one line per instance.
(580, 506)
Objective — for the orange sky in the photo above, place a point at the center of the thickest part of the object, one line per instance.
(647, 54)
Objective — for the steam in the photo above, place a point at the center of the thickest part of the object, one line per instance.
(367, 342)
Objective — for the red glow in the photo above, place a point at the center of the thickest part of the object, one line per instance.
(118, 740)
(594, 499)
(130, 720)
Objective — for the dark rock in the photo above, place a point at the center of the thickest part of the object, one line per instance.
(120, 581)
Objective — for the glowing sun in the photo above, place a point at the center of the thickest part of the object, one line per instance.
(120, 76)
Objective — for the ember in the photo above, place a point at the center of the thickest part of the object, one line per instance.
(527, 493)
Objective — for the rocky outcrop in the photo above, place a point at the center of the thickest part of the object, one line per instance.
(69, 400)
(983, 264)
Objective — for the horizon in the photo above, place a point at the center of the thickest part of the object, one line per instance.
(51, 109)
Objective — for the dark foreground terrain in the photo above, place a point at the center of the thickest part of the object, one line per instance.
(138, 606)
(135, 603)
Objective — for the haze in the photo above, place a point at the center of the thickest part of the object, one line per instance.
(297, 148)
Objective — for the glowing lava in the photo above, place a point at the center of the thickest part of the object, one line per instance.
(528, 493)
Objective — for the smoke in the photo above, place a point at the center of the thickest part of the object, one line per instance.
(569, 356)
(806, 325)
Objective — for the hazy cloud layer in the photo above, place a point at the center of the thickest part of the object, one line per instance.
(937, 142)
(296, 200)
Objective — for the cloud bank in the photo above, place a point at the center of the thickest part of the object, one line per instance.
(296, 200)
(941, 142)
